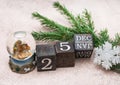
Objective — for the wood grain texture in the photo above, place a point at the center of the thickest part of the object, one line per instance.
(65, 57)
(46, 57)
(83, 44)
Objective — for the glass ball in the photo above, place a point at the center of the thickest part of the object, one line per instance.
(21, 45)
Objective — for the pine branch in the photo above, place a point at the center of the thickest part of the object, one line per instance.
(86, 25)
(53, 36)
(83, 27)
(88, 19)
(116, 68)
(47, 22)
(80, 25)
(64, 11)
(46, 35)
(116, 40)
(85, 21)
(50, 23)
(103, 36)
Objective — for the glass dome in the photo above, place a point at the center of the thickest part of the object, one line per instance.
(21, 45)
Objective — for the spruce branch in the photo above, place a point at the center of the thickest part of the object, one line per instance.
(46, 35)
(64, 11)
(53, 36)
(88, 19)
(116, 40)
(103, 36)
(52, 25)
(81, 24)
(47, 22)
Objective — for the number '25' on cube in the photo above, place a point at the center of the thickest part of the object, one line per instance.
(65, 54)
(83, 44)
(46, 57)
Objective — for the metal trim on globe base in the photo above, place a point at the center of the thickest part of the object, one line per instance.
(22, 67)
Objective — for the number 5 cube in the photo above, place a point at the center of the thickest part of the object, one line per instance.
(65, 54)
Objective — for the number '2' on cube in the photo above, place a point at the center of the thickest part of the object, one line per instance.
(46, 57)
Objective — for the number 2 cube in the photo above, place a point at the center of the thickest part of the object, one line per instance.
(46, 57)
(65, 56)
(83, 44)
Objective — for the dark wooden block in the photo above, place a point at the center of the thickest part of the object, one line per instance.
(83, 44)
(46, 57)
(65, 56)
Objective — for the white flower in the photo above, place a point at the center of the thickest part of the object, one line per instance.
(97, 60)
(107, 56)
(115, 60)
(116, 50)
(107, 46)
(106, 65)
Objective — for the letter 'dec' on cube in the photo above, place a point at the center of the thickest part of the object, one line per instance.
(83, 44)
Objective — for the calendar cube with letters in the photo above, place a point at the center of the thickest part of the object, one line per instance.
(65, 54)
(83, 44)
(46, 57)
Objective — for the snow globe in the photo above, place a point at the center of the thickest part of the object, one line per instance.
(21, 48)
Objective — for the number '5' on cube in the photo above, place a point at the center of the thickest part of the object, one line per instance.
(65, 54)
(46, 57)
(83, 44)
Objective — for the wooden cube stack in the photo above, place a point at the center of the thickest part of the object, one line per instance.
(83, 44)
(63, 54)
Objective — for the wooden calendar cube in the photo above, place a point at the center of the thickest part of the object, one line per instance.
(83, 44)
(65, 56)
(46, 57)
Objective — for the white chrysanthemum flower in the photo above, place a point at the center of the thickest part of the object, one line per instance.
(107, 56)
(98, 57)
(115, 60)
(116, 50)
(106, 65)
(107, 46)
(97, 60)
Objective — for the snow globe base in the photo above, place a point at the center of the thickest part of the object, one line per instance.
(22, 67)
